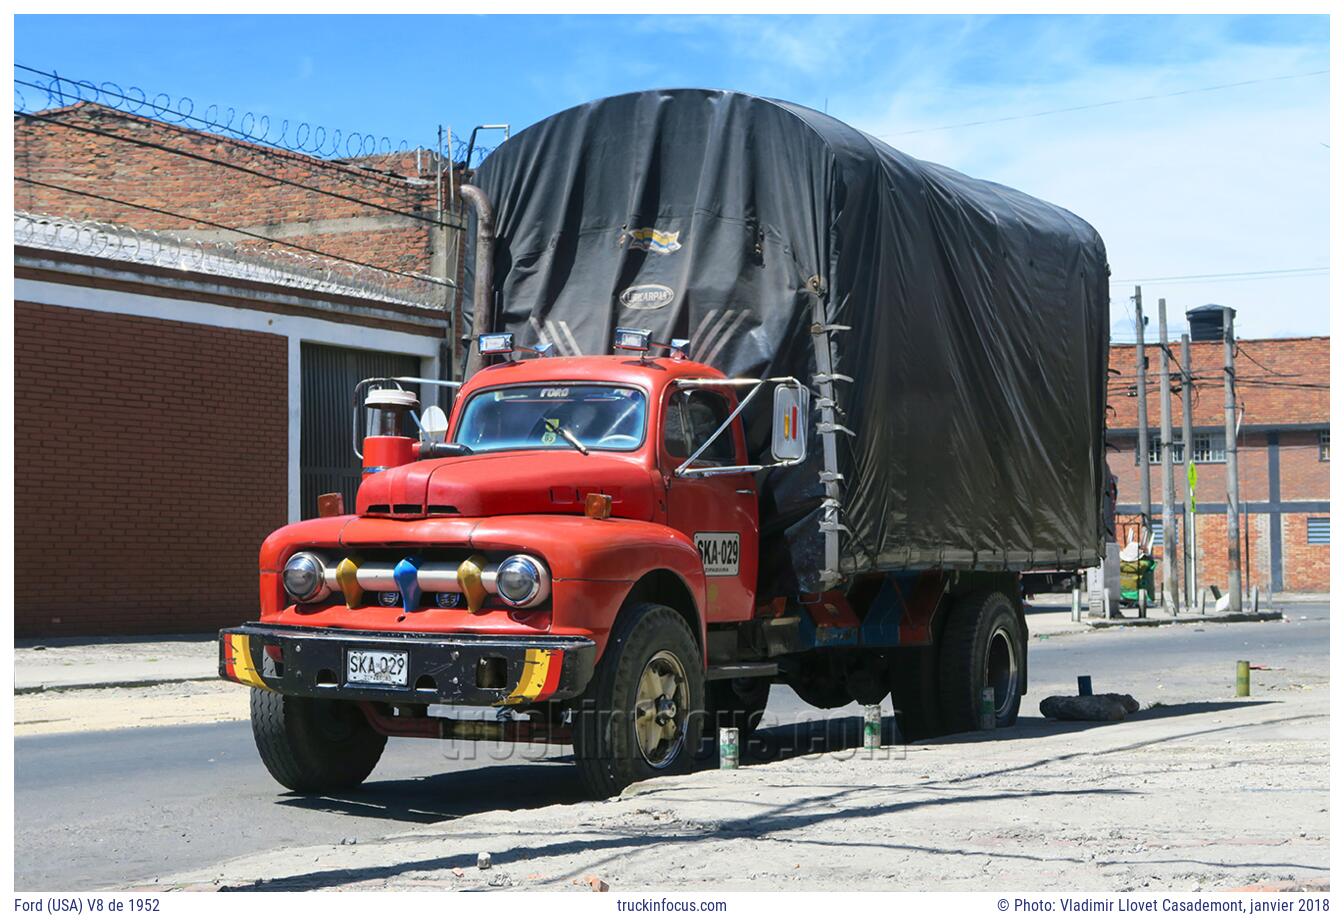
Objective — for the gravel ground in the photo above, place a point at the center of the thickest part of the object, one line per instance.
(1181, 797)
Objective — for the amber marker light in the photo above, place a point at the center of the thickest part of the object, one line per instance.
(597, 506)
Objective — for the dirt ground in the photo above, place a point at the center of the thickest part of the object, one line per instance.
(183, 703)
(1201, 796)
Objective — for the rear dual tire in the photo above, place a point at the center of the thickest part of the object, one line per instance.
(936, 690)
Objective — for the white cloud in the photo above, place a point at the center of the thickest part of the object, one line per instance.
(1225, 181)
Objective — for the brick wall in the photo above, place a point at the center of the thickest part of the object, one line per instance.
(151, 458)
(208, 193)
(1306, 567)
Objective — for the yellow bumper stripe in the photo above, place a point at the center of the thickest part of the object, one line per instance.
(243, 668)
(536, 668)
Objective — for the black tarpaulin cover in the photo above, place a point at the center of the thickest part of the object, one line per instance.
(977, 314)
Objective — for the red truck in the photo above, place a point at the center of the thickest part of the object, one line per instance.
(881, 397)
(581, 552)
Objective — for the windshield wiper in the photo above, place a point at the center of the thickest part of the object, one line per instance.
(556, 428)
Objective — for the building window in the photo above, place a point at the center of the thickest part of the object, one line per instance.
(1209, 448)
(1318, 531)
(1324, 444)
(1155, 449)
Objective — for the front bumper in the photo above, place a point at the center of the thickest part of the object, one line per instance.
(307, 661)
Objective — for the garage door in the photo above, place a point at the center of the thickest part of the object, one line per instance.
(329, 375)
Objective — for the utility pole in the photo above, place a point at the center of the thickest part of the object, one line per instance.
(1188, 438)
(1230, 436)
(1170, 598)
(1145, 488)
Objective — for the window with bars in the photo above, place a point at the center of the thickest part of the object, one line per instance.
(1208, 448)
(1324, 445)
(1155, 450)
(1318, 531)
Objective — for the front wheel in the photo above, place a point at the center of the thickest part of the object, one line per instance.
(641, 714)
(314, 745)
(983, 646)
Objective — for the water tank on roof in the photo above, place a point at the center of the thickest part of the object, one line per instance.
(1206, 322)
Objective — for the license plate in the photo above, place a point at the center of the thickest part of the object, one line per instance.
(366, 666)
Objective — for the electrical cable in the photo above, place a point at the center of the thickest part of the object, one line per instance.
(244, 169)
(256, 236)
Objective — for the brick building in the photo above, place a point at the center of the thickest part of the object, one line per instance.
(216, 188)
(181, 388)
(1283, 456)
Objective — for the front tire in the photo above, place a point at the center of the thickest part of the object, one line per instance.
(314, 745)
(983, 646)
(642, 712)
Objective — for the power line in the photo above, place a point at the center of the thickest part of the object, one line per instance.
(1220, 275)
(1098, 105)
(270, 177)
(426, 279)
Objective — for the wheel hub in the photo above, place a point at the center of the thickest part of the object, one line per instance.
(1001, 671)
(662, 701)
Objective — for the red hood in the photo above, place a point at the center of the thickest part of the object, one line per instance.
(513, 482)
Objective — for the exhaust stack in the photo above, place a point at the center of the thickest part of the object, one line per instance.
(483, 291)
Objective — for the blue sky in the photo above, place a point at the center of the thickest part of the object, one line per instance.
(1232, 180)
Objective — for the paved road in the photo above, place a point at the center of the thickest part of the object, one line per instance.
(104, 809)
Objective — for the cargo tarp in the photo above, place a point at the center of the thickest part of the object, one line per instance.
(977, 315)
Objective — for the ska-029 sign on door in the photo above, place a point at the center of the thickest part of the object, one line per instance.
(719, 552)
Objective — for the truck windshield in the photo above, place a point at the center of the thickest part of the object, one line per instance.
(517, 417)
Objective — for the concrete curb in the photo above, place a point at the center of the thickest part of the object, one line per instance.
(109, 684)
(1262, 616)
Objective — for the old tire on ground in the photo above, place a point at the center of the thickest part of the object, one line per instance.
(914, 693)
(641, 715)
(983, 645)
(314, 745)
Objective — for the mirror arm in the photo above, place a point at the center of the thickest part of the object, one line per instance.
(681, 470)
(755, 383)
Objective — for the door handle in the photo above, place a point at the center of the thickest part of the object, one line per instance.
(746, 492)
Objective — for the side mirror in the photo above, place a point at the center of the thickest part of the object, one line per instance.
(433, 425)
(788, 441)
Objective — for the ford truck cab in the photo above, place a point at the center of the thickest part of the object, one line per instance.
(554, 566)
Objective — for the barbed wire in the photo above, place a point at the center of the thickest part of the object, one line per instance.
(51, 90)
(169, 249)
(478, 153)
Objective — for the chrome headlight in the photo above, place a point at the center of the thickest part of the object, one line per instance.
(522, 581)
(304, 577)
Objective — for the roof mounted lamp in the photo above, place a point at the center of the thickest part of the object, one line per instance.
(641, 340)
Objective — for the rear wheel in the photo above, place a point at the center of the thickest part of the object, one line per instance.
(914, 693)
(983, 645)
(314, 745)
(642, 712)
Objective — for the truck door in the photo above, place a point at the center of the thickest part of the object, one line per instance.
(718, 513)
